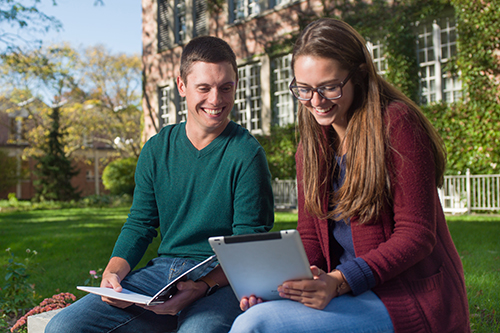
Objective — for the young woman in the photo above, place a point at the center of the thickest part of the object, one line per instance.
(368, 167)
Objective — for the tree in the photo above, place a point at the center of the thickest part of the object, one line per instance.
(101, 91)
(54, 170)
(109, 111)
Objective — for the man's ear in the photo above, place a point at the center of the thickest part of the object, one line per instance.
(181, 87)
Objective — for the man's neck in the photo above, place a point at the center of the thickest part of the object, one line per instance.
(201, 139)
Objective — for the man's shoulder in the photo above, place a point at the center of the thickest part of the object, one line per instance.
(165, 132)
(238, 135)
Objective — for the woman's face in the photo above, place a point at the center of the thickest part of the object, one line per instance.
(314, 72)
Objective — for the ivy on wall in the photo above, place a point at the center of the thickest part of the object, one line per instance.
(478, 61)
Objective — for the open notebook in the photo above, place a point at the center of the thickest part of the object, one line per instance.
(161, 296)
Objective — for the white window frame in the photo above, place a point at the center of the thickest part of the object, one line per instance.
(248, 101)
(243, 9)
(182, 111)
(284, 105)
(180, 21)
(164, 105)
(377, 51)
(433, 38)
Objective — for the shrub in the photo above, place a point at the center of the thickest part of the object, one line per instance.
(118, 176)
(280, 149)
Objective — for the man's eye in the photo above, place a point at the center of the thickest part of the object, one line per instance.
(204, 89)
(226, 89)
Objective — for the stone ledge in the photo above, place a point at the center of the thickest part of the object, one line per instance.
(37, 323)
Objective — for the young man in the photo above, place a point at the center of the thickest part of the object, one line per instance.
(205, 177)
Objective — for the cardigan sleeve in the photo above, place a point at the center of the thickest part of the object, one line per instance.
(406, 232)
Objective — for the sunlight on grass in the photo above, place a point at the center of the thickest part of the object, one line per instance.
(90, 225)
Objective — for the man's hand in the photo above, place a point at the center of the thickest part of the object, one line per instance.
(188, 292)
(115, 271)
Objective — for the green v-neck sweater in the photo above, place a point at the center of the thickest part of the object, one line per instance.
(190, 194)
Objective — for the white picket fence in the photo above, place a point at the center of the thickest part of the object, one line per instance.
(459, 194)
(467, 193)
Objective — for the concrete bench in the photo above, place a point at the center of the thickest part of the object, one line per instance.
(37, 323)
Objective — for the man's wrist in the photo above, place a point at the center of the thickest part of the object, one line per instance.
(211, 285)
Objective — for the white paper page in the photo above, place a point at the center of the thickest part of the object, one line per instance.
(125, 295)
(130, 296)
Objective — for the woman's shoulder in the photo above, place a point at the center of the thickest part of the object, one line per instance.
(398, 114)
(397, 109)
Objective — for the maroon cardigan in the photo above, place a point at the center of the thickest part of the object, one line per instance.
(409, 249)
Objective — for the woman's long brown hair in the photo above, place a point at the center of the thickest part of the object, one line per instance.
(366, 188)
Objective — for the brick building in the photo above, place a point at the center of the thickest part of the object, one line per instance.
(260, 33)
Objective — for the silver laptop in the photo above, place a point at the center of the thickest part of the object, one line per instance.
(257, 264)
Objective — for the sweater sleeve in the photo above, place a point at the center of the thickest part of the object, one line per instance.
(358, 275)
(253, 198)
(140, 228)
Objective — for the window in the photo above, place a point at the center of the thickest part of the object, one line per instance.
(248, 98)
(181, 108)
(241, 9)
(377, 51)
(173, 18)
(180, 21)
(200, 18)
(436, 45)
(284, 107)
(164, 28)
(164, 102)
(18, 127)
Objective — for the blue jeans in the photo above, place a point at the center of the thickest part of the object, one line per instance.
(90, 314)
(364, 313)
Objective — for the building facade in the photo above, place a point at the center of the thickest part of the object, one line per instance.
(261, 33)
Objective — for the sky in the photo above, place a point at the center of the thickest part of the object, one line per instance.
(117, 24)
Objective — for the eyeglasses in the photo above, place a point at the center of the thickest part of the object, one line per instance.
(328, 92)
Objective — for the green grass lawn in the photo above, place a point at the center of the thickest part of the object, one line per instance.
(71, 242)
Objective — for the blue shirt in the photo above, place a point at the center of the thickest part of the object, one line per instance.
(356, 271)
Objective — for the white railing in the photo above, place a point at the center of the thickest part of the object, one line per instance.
(285, 194)
(465, 193)
(459, 194)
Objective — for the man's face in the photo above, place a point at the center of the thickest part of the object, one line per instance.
(209, 92)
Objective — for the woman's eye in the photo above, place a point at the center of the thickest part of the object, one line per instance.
(330, 88)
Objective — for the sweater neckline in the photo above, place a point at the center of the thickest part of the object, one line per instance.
(211, 146)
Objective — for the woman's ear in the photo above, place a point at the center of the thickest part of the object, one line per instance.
(363, 68)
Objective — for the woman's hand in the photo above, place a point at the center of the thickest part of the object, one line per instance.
(319, 291)
(247, 302)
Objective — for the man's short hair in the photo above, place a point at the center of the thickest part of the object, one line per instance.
(206, 49)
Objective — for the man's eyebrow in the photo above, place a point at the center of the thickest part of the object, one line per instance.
(208, 85)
